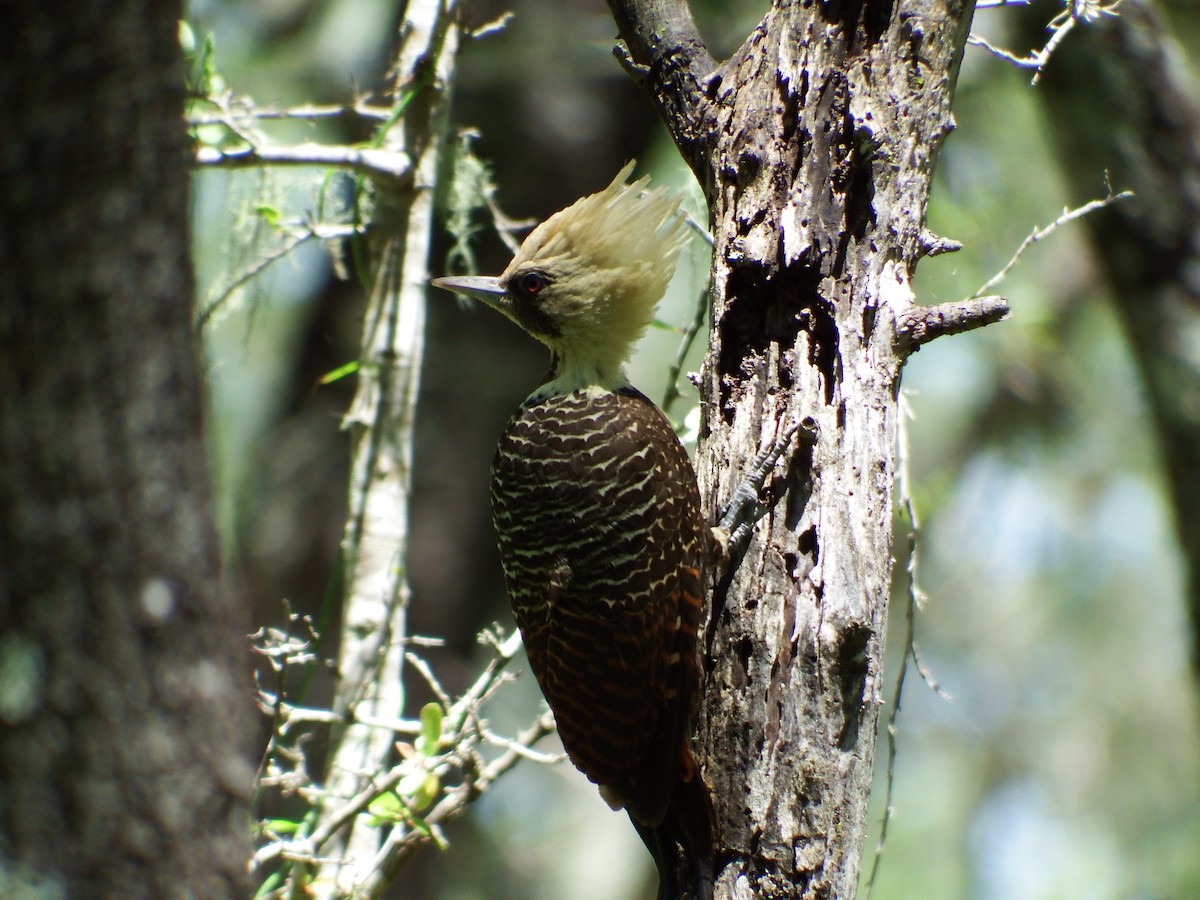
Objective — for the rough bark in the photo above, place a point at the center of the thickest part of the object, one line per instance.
(815, 144)
(125, 706)
(1119, 101)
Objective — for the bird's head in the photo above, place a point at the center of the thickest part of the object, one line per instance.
(585, 281)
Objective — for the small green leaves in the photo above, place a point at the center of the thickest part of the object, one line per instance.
(429, 741)
(282, 826)
(339, 373)
(187, 37)
(420, 789)
(268, 214)
(421, 785)
(200, 52)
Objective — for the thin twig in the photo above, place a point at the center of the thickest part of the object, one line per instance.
(488, 29)
(1038, 234)
(505, 651)
(307, 112)
(430, 679)
(253, 271)
(914, 599)
(402, 843)
(1059, 27)
(517, 746)
(671, 394)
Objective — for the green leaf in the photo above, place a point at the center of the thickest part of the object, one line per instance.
(423, 827)
(430, 738)
(427, 791)
(268, 214)
(388, 808)
(340, 372)
(282, 826)
(187, 37)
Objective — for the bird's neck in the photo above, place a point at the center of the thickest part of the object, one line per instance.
(571, 372)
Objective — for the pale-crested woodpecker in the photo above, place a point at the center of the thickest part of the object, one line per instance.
(598, 519)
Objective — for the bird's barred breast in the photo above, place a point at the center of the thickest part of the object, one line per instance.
(600, 485)
(601, 538)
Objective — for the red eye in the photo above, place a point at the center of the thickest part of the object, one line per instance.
(532, 282)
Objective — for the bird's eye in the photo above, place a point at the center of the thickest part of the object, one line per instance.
(532, 282)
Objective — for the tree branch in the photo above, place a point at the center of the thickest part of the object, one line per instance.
(300, 236)
(306, 112)
(384, 163)
(1040, 234)
(662, 50)
(654, 29)
(922, 324)
(1059, 27)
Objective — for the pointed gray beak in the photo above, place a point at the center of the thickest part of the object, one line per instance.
(485, 287)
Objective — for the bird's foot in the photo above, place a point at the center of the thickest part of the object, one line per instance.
(746, 506)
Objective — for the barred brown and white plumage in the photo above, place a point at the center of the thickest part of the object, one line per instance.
(598, 518)
(601, 538)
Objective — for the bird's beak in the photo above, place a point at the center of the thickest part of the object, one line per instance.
(485, 287)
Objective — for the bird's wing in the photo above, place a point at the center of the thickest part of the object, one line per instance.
(602, 543)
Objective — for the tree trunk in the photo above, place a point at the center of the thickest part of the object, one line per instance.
(124, 764)
(1120, 102)
(371, 656)
(815, 144)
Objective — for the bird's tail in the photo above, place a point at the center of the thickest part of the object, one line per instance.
(682, 844)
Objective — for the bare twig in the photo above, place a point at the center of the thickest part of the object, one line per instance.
(301, 235)
(1059, 27)
(930, 244)
(671, 394)
(921, 324)
(522, 748)
(430, 679)
(402, 843)
(915, 599)
(378, 162)
(505, 226)
(1038, 234)
(505, 651)
(488, 29)
(307, 113)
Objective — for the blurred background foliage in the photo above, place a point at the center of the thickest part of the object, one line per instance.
(1065, 762)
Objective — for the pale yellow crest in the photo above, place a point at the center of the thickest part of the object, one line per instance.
(610, 256)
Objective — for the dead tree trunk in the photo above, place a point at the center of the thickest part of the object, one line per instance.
(815, 144)
(125, 709)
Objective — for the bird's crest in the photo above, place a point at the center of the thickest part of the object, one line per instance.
(614, 253)
(622, 226)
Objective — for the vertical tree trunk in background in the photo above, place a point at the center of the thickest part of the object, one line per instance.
(1120, 101)
(125, 713)
(373, 639)
(815, 145)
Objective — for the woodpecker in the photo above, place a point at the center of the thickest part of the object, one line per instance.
(598, 521)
